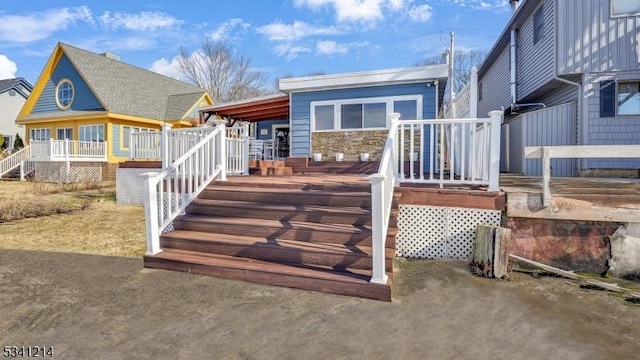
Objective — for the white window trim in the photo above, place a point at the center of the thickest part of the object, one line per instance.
(622, 15)
(67, 128)
(73, 93)
(337, 110)
(80, 128)
(31, 131)
(8, 139)
(618, 82)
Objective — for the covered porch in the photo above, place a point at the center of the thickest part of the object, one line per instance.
(68, 150)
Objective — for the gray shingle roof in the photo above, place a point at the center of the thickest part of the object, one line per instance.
(19, 84)
(129, 90)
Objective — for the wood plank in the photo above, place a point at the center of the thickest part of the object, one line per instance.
(351, 282)
(573, 276)
(529, 205)
(584, 151)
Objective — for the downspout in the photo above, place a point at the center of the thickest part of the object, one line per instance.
(513, 53)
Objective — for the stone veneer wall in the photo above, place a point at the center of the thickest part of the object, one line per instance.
(350, 143)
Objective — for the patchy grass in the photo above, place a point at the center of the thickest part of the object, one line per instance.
(78, 218)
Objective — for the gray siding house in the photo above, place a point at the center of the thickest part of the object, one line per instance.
(13, 94)
(566, 73)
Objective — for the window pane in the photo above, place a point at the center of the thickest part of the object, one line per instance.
(100, 133)
(625, 7)
(126, 132)
(323, 117)
(628, 98)
(538, 26)
(352, 116)
(375, 115)
(408, 109)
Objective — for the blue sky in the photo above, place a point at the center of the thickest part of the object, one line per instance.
(280, 36)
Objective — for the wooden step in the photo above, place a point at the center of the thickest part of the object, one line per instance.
(288, 196)
(285, 212)
(337, 256)
(270, 170)
(350, 283)
(322, 182)
(286, 230)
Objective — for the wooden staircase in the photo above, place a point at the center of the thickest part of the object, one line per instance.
(269, 167)
(301, 235)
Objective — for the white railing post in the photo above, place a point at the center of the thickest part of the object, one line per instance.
(221, 152)
(546, 177)
(394, 122)
(50, 149)
(151, 213)
(473, 94)
(494, 150)
(165, 147)
(22, 174)
(245, 147)
(132, 146)
(378, 234)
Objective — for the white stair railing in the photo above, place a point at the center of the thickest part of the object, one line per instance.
(168, 193)
(382, 188)
(13, 161)
(468, 148)
(26, 168)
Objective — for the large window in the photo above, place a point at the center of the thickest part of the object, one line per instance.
(621, 8)
(40, 134)
(91, 133)
(629, 98)
(64, 133)
(7, 142)
(356, 114)
(538, 25)
(64, 94)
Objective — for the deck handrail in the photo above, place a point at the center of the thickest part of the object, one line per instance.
(169, 192)
(13, 161)
(474, 143)
(382, 188)
(61, 150)
(546, 153)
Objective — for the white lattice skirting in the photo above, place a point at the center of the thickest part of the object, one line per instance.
(56, 172)
(436, 232)
(129, 185)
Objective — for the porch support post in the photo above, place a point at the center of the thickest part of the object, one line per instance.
(67, 161)
(165, 146)
(221, 152)
(494, 150)
(245, 149)
(378, 233)
(150, 194)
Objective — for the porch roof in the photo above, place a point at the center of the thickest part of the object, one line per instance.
(268, 107)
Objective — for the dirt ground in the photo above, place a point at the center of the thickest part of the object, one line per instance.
(101, 307)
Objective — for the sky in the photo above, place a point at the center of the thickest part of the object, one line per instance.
(295, 37)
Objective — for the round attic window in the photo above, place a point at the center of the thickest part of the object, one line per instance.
(64, 94)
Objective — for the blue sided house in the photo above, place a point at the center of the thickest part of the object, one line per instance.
(347, 113)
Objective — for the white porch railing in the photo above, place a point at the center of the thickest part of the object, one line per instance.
(13, 161)
(26, 168)
(382, 188)
(474, 143)
(168, 193)
(145, 144)
(169, 145)
(67, 150)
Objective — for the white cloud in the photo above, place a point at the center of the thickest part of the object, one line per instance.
(420, 13)
(278, 31)
(8, 68)
(290, 51)
(330, 47)
(144, 21)
(350, 10)
(40, 25)
(480, 4)
(164, 67)
(230, 29)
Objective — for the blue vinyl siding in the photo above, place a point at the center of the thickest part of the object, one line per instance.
(115, 138)
(84, 99)
(301, 107)
(268, 125)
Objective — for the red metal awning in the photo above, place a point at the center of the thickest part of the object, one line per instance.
(271, 107)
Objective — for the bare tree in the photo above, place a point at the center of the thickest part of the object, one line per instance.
(463, 62)
(227, 76)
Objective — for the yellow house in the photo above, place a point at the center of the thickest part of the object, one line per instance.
(94, 101)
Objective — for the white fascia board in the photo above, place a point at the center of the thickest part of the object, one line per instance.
(367, 78)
